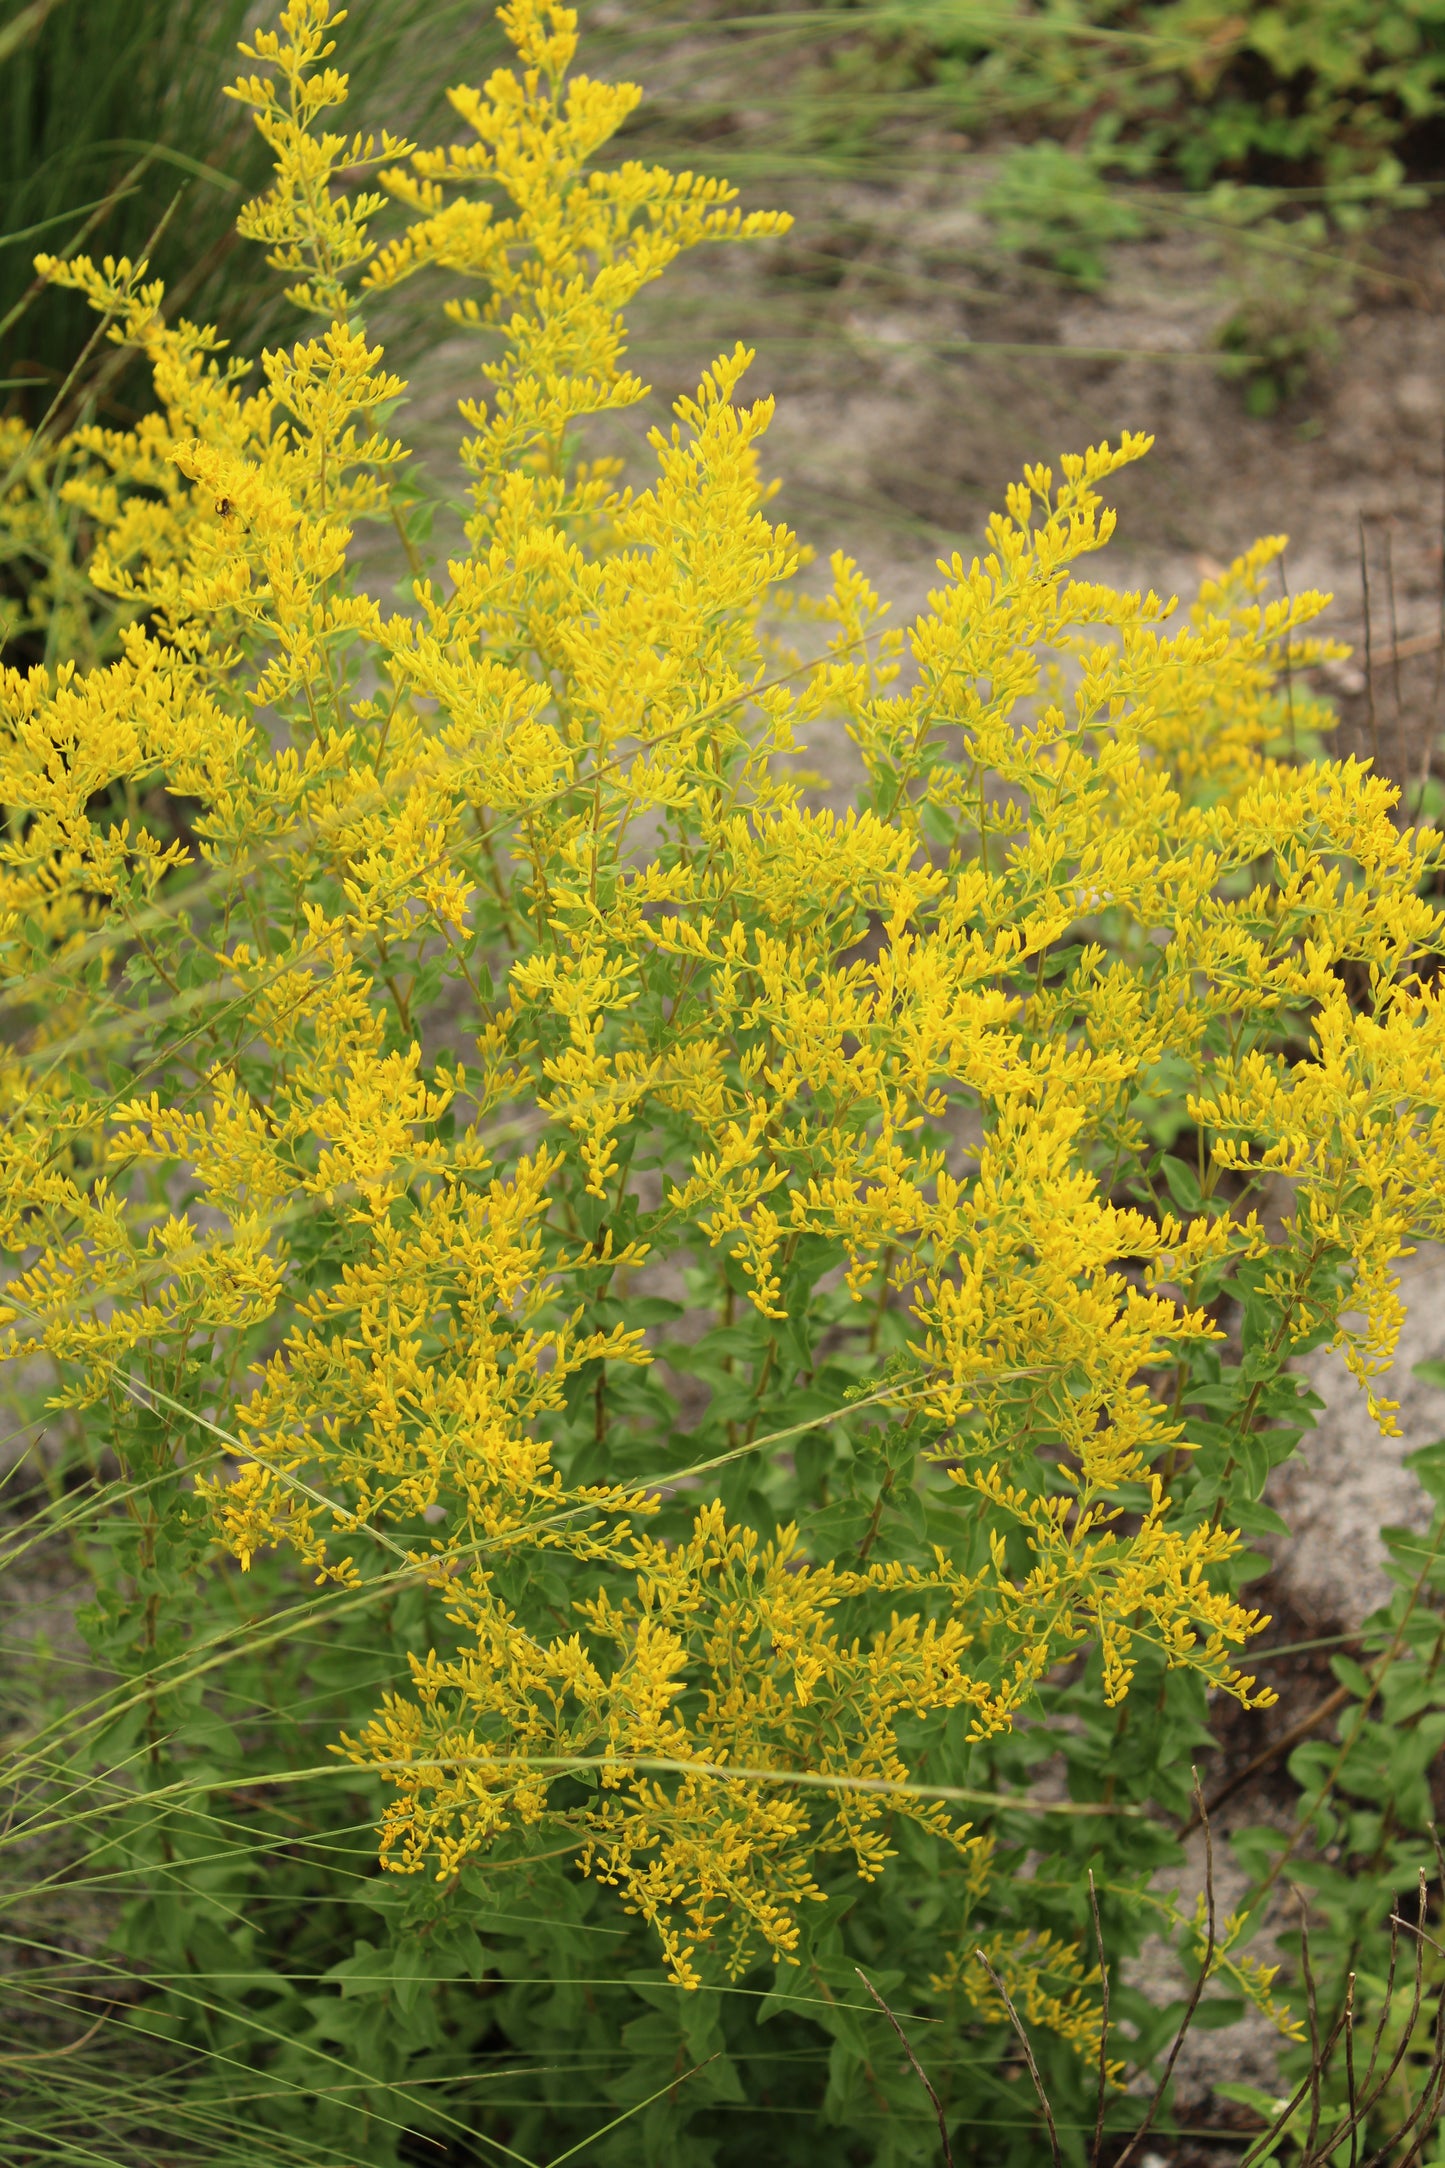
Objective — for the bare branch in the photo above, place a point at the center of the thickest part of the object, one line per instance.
(1205, 1969)
(1017, 2023)
(1103, 2026)
(919, 2071)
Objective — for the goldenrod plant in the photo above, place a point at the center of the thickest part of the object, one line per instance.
(636, 1353)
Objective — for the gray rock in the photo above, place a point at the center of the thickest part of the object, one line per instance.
(1348, 1481)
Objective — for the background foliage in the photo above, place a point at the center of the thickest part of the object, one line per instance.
(1294, 92)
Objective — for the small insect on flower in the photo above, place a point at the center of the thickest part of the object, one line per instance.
(226, 510)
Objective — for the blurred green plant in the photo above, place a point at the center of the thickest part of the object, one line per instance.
(1287, 294)
(1318, 90)
(1290, 280)
(1054, 206)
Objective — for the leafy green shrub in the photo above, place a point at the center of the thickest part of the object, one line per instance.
(661, 1347)
(1323, 89)
(1050, 204)
(1289, 289)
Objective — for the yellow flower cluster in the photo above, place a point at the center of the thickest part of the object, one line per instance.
(398, 996)
(1048, 1981)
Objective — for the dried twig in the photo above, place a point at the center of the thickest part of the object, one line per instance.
(51, 2055)
(1404, 2143)
(1414, 644)
(1363, 2098)
(1352, 2098)
(1407, 2033)
(1369, 653)
(1422, 1905)
(1432, 719)
(1103, 2025)
(1312, 2007)
(1286, 2114)
(1425, 2113)
(1402, 741)
(1378, 2041)
(1202, 1821)
(1394, 632)
(918, 2070)
(1288, 671)
(1017, 2023)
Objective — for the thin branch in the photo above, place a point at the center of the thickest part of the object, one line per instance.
(1369, 655)
(1390, 605)
(919, 2072)
(1386, 2004)
(1312, 2006)
(1288, 671)
(1352, 2096)
(1402, 741)
(50, 2055)
(1423, 2116)
(1205, 1969)
(1017, 2024)
(1103, 2026)
(1407, 2032)
(1286, 2114)
(1432, 719)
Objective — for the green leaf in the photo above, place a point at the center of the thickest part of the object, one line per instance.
(1183, 1183)
(1353, 1676)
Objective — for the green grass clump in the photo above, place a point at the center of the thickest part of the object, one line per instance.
(114, 136)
